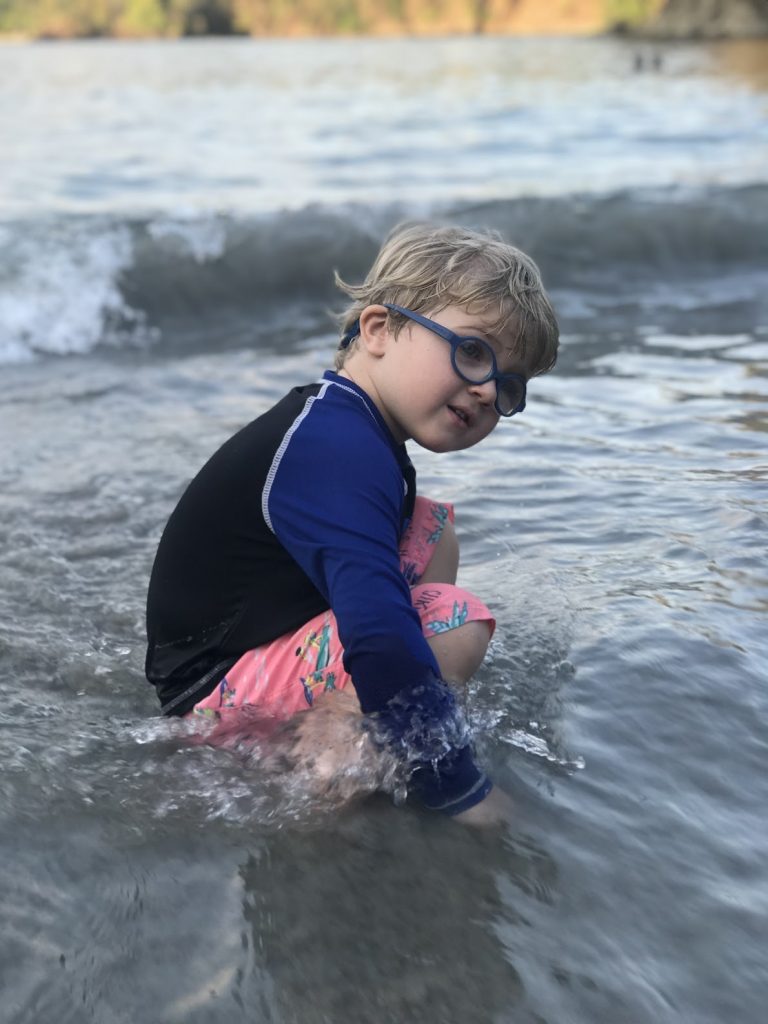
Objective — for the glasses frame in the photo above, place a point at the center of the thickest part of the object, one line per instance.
(455, 341)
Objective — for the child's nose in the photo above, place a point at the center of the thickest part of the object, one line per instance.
(485, 393)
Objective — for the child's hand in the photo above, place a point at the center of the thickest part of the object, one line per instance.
(496, 809)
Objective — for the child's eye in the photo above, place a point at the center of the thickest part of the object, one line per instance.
(473, 351)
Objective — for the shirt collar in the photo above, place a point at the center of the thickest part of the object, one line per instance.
(345, 382)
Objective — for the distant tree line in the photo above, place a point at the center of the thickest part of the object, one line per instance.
(172, 18)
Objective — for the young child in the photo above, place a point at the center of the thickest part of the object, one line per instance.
(300, 559)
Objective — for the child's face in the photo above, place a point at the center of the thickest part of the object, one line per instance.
(420, 395)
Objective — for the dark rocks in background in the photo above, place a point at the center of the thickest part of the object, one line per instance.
(210, 18)
(709, 19)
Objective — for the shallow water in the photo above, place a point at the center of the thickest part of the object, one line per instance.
(618, 528)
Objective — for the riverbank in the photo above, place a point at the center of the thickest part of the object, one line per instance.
(62, 19)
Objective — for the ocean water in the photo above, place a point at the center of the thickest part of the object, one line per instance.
(170, 216)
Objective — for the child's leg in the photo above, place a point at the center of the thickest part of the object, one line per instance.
(336, 756)
(460, 651)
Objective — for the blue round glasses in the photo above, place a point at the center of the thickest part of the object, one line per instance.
(474, 361)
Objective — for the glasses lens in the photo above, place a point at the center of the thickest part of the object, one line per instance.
(474, 360)
(510, 394)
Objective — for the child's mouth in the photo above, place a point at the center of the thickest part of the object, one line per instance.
(460, 415)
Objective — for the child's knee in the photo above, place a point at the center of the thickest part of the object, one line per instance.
(460, 651)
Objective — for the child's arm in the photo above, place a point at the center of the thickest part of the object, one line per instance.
(334, 503)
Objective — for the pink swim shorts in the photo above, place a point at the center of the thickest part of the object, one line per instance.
(290, 673)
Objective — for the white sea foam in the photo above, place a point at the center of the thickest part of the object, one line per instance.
(60, 291)
(203, 239)
(696, 342)
(530, 743)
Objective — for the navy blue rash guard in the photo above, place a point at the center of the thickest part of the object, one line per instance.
(301, 511)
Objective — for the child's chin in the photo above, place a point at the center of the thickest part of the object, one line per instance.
(441, 447)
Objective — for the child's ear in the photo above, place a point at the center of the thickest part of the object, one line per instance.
(375, 334)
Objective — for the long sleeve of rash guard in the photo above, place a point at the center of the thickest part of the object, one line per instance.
(333, 500)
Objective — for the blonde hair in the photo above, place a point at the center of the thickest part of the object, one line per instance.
(426, 267)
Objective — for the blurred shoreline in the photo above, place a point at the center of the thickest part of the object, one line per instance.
(684, 20)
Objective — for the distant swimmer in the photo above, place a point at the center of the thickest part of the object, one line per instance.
(642, 62)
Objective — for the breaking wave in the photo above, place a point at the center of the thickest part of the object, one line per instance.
(70, 285)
